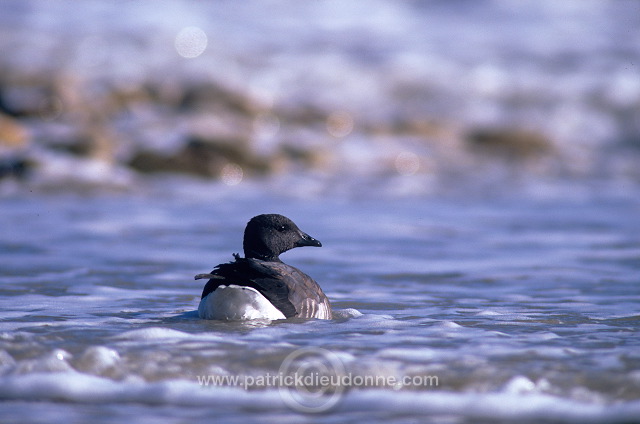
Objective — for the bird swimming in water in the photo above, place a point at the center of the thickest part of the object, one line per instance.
(260, 285)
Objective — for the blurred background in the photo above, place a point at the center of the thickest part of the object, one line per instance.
(410, 97)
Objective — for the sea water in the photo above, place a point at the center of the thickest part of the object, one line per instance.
(519, 308)
(505, 291)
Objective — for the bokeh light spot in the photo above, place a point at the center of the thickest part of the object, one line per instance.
(191, 42)
(232, 174)
(340, 124)
(407, 163)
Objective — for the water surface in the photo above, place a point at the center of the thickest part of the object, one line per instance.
(522, 308)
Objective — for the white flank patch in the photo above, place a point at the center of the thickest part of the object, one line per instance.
(237, 303)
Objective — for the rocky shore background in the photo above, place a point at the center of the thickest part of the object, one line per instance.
(99, 94)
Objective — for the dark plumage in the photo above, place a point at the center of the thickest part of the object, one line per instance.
(288, 289)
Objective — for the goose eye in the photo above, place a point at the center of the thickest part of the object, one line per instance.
(282, 228)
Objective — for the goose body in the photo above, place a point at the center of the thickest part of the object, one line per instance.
(260, 285)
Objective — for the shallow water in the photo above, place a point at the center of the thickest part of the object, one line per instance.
(522, 308)
(469, 286)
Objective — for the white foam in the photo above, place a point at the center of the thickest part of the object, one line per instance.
(152, 333)
(514, 404)
(410, 355)
(96, 359)
(521, 384)
(83, 388)
(6, 362)
(346, 313)
(489, 405)
(382, 321)
(488, 313)
(448, 325)
(55, 361)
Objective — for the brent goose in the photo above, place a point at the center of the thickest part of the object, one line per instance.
(260, 285)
